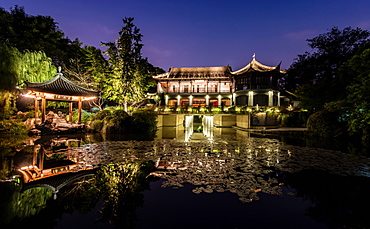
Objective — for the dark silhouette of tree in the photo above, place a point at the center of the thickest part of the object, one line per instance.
(358, 101)
(9, 59)
(313, 77)
(36, 33)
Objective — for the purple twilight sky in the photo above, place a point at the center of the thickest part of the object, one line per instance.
(203, 32)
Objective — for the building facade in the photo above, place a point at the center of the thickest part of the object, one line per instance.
(253, 85)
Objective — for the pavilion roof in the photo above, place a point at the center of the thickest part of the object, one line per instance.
(196, 73)
(255, 66)
(61, 86)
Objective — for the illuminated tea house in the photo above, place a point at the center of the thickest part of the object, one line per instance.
(255, 84)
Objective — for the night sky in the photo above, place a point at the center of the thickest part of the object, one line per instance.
(193, 33)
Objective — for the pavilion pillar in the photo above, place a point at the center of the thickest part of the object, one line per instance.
(178, 100)
(35, 151)
(41, 158)
(219, 100)
(271, 99)
(250, 98)
(231, 97)
(43, 109)
(207, 100)
(190, 100)
(70, 112)
(166, 100)
(36, 109)
(278, 99)
(79, 110)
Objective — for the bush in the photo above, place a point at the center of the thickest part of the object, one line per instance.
(144, 122)
(117, 125)
(13, 127)
(119, 122)
(102, 114)
(96, 126)
(85, 116)
(325, 124)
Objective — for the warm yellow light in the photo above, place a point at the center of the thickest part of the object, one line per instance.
(89, 98)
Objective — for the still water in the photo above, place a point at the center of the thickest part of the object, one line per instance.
(218, 178)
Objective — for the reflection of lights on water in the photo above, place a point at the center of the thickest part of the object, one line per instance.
(189, 119)
(207, 123)
(208, 126)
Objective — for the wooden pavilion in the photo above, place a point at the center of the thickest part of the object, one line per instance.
(58, 89)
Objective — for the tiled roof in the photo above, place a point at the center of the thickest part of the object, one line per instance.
(255, 66)
(61, 86)
(214, 73)
(196, 73)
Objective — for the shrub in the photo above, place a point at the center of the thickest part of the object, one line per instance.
(15, 126)
(85, 116)
(119, 122)
(144, 122)
(325, 124)
(102, 114)
(97, 125)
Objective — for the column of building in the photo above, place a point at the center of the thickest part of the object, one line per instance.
(271, 98)
(250, 98)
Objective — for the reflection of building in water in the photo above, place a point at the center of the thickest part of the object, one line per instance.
(188, 125)
(52, 158)
(182, 127)
(208, 126)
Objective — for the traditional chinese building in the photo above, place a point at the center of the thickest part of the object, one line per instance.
(255, 84)
(58, 89)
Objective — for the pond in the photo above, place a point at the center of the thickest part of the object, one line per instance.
(223, 179)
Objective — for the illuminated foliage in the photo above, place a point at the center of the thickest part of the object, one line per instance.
(21, 205)
(35, 67)
(121, 185)
(117, 121)
(17, 67)
(130, 72)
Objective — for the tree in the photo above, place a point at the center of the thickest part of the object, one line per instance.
(314, 77)
(130, 72)
(358, 100)
(35, 67)
(17, 67)
(36, 33)
(96, 65)
(89, 70)
(9, 59)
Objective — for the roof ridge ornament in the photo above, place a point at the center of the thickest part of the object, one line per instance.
(59, 69)
(254, 56)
